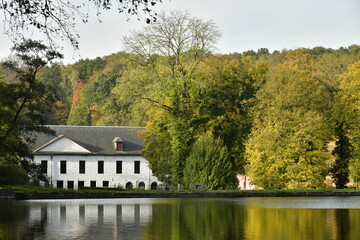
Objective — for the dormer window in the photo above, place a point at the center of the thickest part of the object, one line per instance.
(118, 144)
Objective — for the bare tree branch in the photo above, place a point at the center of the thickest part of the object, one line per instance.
(58, 17)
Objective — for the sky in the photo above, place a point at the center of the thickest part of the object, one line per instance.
(245, 25)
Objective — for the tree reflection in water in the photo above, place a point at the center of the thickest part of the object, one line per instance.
(163, 219)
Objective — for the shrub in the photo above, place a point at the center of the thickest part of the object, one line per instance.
(11, 174)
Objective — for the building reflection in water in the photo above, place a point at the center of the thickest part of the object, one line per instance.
(88, 219)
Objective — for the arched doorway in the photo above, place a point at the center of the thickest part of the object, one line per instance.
(129, 185)
(141, 185)
(154, 186)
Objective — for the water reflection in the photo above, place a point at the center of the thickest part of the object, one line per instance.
(242, 218)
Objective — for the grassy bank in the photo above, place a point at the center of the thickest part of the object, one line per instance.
(32, 192)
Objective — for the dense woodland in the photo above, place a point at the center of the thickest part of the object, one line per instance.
(287, 119)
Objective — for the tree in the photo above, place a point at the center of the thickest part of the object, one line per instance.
(220, 94)
(183, 41)
(321, 50)
(52, 78)
(262, 51)
(89, 109)
(348, 106)
(191, 90)
(251, 53)
(223, 93)
(342, 153)
(287, 147)
(209, 163)
(12, 174)
(59, 17)
(23, 100)
(167, 55)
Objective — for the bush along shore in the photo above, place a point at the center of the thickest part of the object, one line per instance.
(28, 192)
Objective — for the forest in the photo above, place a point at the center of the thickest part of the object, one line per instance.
(289, 119)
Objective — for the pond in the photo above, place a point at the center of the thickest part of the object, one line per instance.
(230, 218)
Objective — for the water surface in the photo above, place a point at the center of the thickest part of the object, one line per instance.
(232, 218)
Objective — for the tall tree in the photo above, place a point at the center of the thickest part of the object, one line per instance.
(169, 52)
(209, 163)
(222, 96)
(342, 153)
(288, 144)
(24, 99)
(348, 101)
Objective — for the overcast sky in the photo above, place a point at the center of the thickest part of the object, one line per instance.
(245, 25)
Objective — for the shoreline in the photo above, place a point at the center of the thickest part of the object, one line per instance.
(8, 194)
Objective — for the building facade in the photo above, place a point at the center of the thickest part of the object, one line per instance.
(245, 183)
(91, 156)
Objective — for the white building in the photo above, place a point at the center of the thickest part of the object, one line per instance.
(90, 156)
(245, 183)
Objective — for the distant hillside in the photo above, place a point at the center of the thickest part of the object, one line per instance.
(88, 91)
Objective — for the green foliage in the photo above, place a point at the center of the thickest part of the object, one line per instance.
(93, 96)
(216, 99)
(166, 57)
(209, 163)
(81, 115)
(340, 168)
(23, 99)
(287, 145)
(321, 50)
(158, 150)
(348, 107)
(329, 67)
(179, 149)
(78, 73)
(12, 174)
(85, 68)
(226, 87)
(143, 76)
(52, 78)
(249, 53)
(33, 171)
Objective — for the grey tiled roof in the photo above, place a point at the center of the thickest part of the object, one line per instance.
(98, 140)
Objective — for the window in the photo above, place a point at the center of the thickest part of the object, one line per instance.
(62, 166)
(59, 184)
(118, 166)
(70, 184)
(118, 146)
(92, 183)
(44, 166)
(81, 166)
(137, 167)
(81, 184)
(100, 166)
(105, 183)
